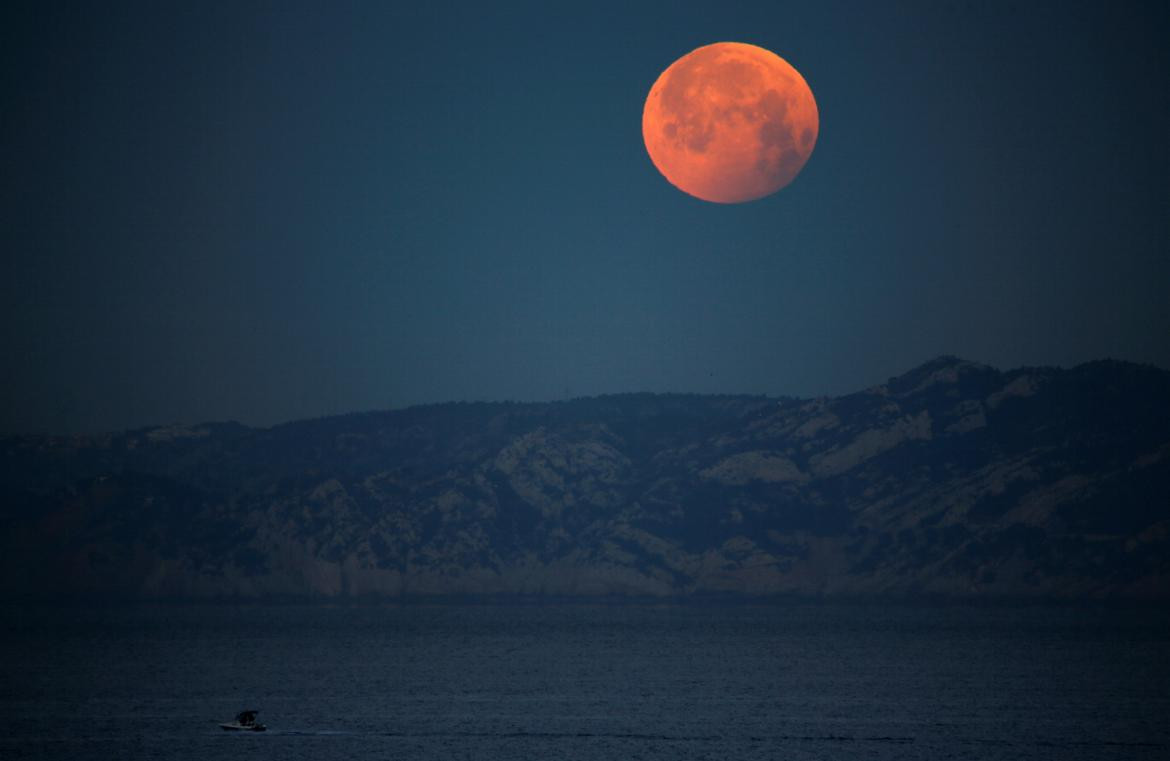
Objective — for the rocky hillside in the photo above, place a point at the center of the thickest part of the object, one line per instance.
(954, 479)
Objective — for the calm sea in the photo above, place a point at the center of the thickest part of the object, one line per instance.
(613, 682)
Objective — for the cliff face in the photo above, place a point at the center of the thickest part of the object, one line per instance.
(954, 479)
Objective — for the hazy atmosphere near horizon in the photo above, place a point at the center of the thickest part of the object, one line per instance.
(597, 381)
(266, 212)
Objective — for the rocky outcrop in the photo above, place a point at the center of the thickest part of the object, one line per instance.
(954, 480)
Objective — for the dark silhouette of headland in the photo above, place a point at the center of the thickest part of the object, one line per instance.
(953, 480)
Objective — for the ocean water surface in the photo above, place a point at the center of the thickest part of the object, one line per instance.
(571, 681)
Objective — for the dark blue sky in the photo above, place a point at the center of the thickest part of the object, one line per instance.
(271, 211)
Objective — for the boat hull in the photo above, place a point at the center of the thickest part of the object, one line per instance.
(234, 727)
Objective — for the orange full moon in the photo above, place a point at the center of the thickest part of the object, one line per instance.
(730, 122)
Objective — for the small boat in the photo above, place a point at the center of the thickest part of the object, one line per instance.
(245, 722)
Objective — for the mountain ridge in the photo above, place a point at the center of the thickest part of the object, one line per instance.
(951, 480)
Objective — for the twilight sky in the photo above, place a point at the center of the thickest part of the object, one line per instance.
(269, 211)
